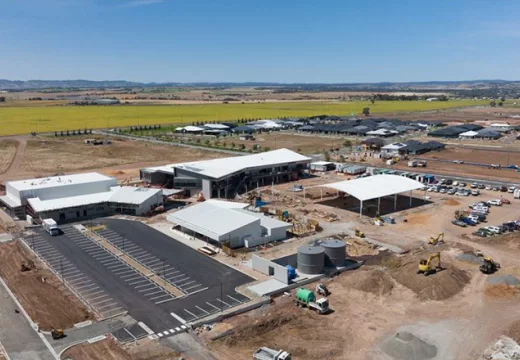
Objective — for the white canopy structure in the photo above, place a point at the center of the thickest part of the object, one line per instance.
(376, 187)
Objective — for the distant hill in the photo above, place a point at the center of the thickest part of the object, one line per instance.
(19, 85)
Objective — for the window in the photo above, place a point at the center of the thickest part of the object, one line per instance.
(77, 214)
(84, 212)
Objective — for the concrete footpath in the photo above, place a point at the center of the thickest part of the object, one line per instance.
(19, 339)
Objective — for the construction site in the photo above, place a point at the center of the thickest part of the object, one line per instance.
(154, 251)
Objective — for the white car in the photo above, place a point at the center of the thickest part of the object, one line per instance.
(493, 229)
(474, 185)
(484, 209)
(489, 187)
(511, 189)
(495, 202)
(474, 218)
(455, 183)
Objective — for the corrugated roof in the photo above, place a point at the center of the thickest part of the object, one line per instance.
(64, 180)
(133, 195)
(266, 221)
(376, 186)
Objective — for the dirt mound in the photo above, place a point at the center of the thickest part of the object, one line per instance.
(260, 327)
(407, 346)
(502, 291)
(439, 286)
(374, 281)
(451, 202)
(514, 331)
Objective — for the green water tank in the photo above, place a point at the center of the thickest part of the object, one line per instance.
(305, 295)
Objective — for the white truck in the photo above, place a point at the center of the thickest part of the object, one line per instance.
(265, 353)
(516, 193)
(51, 227)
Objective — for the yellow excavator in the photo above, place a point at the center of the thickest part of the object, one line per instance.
(57, 334)
(437, 240)
(359, 233)
(426, 265)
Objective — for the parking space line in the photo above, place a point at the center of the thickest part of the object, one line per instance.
(159, 296)
(125, 271)
(138, 281)
(176, 276)
(238, 301)
(148, 289)
(153, 293)
(89, 287)
(72, 277)
(163, 301)
(181, 320)
(192, 287)
(186, 283)
(129, 275)
(104, 301)
(97, 297)
(140, 286)
(222, 301)
(133, 278)
(198, 307)
(104, 307)
(117, 266)
(213, 306)
(178, 281)
(192, 314)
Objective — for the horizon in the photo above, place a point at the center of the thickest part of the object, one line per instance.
(161, 41)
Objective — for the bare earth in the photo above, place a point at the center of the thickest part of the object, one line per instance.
(7, 152)
(48, 303)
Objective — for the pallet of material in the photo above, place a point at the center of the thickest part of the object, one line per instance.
(206, 250)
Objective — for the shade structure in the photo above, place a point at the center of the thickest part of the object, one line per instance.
(376, 186)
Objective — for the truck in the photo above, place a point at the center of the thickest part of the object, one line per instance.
(265, 353)
(51, 227)
(306, 297)
(516, 194)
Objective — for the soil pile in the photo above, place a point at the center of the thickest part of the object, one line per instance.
(502, 286)
(514, 331)
(439, 286)
(377, 282)
(451, 202)
(407, 346)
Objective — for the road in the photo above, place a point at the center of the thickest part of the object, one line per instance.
(18, 337)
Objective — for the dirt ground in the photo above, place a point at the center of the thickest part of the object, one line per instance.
(48, 303)
(123, 159)
(7, 152)
(110, 350)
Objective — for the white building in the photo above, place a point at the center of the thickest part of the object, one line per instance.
(392, 149)
(79, 196)
(500, 127)
(229, 223)
(468, 135)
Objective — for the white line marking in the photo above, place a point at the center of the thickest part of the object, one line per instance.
(148, 289)
(104, 307)
(186, 283)
(191, 287)
(138, 281)
(198, 307)
(213, 306)
(145, 328)
(178, 329)
(163, 301)
(98, 297)
(160, 334)
(153, 293)
(238, 301)
(158, 297)
(181, 320)
(184, 326)
(224, 302)
(192, 314)
(140, 286)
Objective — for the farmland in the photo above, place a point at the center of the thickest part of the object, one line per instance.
(21, 120)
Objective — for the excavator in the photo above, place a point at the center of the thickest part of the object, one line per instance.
(489, 266)
(359, 233)
(426, 265)
(437, 240)
(57, 334)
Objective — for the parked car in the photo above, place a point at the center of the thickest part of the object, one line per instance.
(462, 184)
(480, 233)
(458, 223)
(458, 161)
(511, 189)
(474, 218)
(505, 201)
(475, 192)
(503, 189)
(442, 190)
(451, 191)
(489, 233)
(495, 202)
(509, 226)
(455, 183)
(473, 185)
(448, 182)
(493, 229)
(481, 217)
(468, 221)
(496, 188)
(481, 186)
(489, 187)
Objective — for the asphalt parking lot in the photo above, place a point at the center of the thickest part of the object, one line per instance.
(208, 285)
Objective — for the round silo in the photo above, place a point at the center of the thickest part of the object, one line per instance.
(335, 251)
(311, 259)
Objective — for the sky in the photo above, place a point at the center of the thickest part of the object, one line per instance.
(286, 41)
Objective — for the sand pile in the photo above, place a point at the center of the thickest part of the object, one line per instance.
(374, 281)
(514, 331)
(451, 202)
(439, 286)
(407, 346)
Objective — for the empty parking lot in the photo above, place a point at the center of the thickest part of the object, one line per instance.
(208, 286)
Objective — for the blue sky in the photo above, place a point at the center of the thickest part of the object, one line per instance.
(330, 41)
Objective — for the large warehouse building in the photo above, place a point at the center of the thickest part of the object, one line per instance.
(79, 196)
(226, 177)
(229, 223)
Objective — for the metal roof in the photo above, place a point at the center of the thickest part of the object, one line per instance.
(53, 181)
(133, 195)
(376, 186)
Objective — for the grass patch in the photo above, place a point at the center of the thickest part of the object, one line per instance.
(22, 120)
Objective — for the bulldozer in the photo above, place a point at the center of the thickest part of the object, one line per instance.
(359, 233)
(57, 334)
(321, 289)
(489, 266)
(426, 265)
(27, 266)
(437, 240)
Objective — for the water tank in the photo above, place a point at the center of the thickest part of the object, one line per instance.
(311, 259)
(335, 252)
(305, 295)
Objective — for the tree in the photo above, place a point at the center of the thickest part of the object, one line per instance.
(502, 98)
(372, 100)
(242, 146)
(341, 158)
(233, 145)
(366, 111)
(206, 142)
(500, 103)
(492, 103)
(2, 98)
(326, 155)
(347, 143)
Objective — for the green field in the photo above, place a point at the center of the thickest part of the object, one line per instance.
(22, 120)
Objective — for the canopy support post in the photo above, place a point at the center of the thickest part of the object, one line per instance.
(395, 202)
(378, 206)
(361, 209)
(410, 198)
